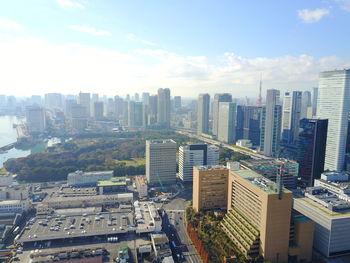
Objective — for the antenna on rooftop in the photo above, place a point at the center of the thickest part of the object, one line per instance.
(279, 181)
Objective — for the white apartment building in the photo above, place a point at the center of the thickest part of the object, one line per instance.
(196, 155)
(80, 178)
(334, 104)
(161, 162)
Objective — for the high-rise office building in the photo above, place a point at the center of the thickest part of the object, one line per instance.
(84, 100)
(78, 117)
(210, 187)
(177, 102)
(314, 101)
(251, 124)
(271, 118)
(54, 101)
(163, 116)
(227, 122)
(98, 110)
(137, 97)
(119, 107)
(203, 113)
(291, 116)
(153, 110)
(196, 155)
(259, 220)
(334, 104)
(224, 97)
(311, 149)
(35, 119)
(145, 98)
(161, 162)
(135, 114)
(306, 105)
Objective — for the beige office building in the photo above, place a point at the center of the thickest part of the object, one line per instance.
(259, 219)
(210, 187)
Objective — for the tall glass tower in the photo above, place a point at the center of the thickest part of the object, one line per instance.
(334, 104)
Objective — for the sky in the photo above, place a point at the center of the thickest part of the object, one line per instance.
(118, 47)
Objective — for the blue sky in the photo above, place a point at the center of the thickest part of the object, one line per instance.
(190, 46)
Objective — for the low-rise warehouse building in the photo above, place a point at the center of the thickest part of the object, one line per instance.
(87, 201)
(80, 178)
(114, 185)
(147, 217)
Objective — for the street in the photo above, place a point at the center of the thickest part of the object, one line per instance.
(174, 226)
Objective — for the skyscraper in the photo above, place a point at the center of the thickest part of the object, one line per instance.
(203, 113)
(153, 110)
(54, 101)
(177, 102)
(98, 110)
(35, 119)
(271, 124)
(312, 149)
(135, 114)
(195, 155)
(305, 104)
(163, 116)
(314, 101)
(161, 162)
(145, 98)
(333, 104)
(227, 122)
(224, 97)
(291, 116)
(84, 100)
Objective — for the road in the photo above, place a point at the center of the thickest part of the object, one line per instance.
(225, 145)
(174, 225)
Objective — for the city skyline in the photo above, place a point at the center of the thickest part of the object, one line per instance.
(89, 46)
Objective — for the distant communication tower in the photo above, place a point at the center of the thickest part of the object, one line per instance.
(259, 101)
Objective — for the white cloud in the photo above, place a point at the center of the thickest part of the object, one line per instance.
(34, 66)
(312, 16)
(68, 4)
(134, 38)
(90, 30)
(344, 4)
(9, 25)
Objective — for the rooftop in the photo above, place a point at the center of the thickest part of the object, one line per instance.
(113, 182)
(161, 141)
(260, 181)
(211, 167)
(276, 162)
(89, 224)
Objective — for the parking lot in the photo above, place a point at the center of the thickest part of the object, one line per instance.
(63, 227)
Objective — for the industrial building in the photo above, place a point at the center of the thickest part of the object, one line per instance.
(271, 168)
(210, 187)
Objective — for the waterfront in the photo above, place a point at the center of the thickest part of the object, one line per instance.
(8, 135)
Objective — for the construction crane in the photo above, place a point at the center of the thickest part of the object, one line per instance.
(164, 189)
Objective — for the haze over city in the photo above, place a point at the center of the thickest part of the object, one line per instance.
(119, 47)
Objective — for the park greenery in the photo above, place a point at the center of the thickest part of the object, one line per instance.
(214, 239)
(123, 153)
